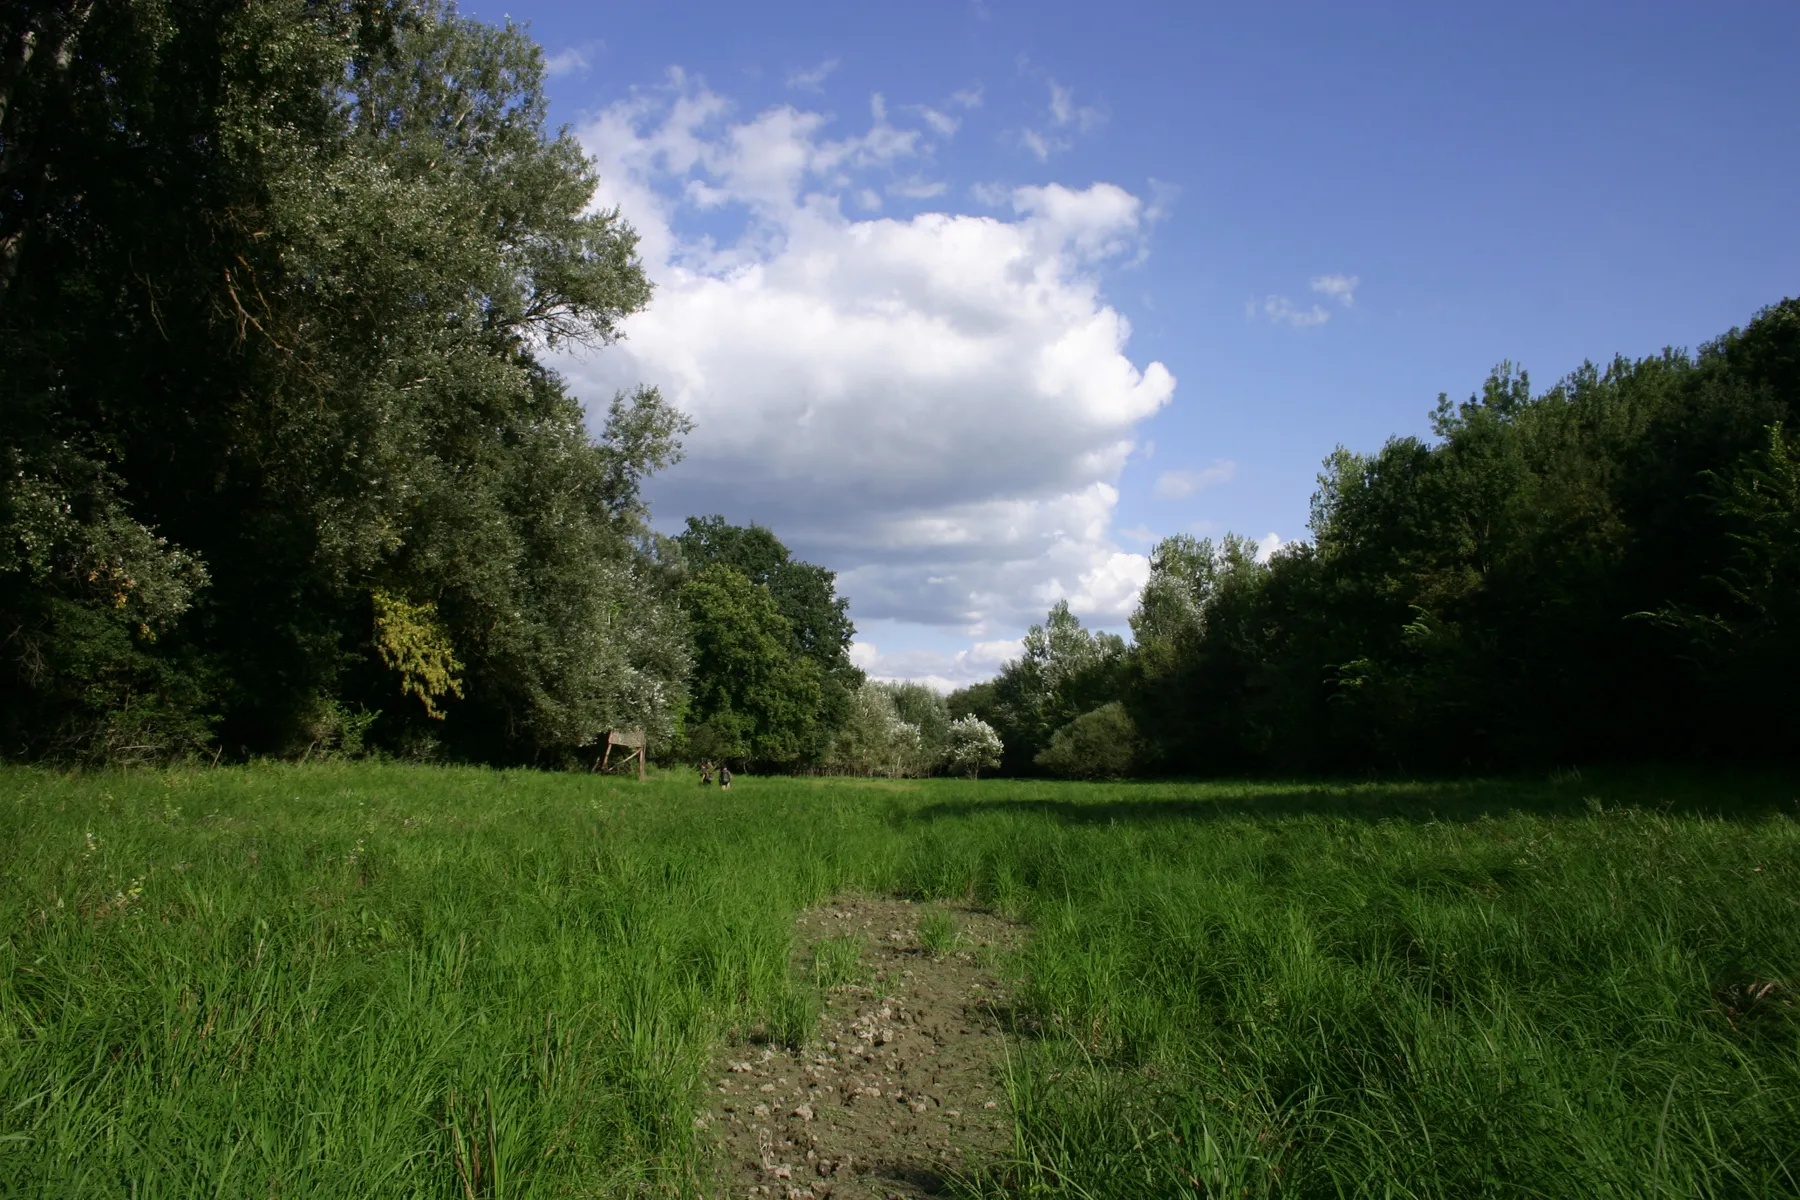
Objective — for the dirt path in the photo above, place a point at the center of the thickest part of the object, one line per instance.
(899, 1091)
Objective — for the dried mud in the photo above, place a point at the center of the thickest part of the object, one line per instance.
(898, 1093)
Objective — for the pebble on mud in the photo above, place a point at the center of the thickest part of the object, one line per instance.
(910, 1034)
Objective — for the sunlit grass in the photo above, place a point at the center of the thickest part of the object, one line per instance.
(389, 981)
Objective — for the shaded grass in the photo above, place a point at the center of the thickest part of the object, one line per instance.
(390, 981)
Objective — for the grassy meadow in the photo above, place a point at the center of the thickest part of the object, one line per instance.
(359, 980)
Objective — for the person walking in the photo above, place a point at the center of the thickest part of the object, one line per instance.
(724, 778)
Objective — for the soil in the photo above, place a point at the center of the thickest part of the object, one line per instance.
(898, 1094)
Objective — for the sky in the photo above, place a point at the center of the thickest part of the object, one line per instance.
(972, 302)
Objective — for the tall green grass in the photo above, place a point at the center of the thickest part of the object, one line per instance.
(389, 981)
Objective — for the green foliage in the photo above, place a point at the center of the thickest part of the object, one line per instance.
(1101, 744)
(938, 932)
(275, 284)
(1603, 570)
(893, 729)
(1064, 671)
(86, 595)
(805, 595)
(1581, 987)
(836, 961)
(413, 644)
(752, 697)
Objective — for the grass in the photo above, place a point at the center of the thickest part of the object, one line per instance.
(354, 980)
(836, 961)
(937, 932)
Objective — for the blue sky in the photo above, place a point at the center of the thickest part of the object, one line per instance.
(1313, 219)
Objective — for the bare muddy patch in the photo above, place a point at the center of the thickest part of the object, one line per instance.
(897, 1094)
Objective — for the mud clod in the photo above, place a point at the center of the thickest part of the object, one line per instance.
(898, 1093)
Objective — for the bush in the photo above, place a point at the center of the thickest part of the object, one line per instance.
(1101, 744)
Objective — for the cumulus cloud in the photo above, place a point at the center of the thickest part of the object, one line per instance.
(943, 670)
(1175, 485)
(1340, 287)
(812, 79)
(1267, 545)
(938, 407)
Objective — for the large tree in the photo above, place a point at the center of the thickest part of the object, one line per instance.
(818, 619)
(753, 697)
(276, 282)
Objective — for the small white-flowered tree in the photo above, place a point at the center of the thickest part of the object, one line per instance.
(973, 744)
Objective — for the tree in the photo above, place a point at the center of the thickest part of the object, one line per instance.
(806, 596)
(752, 697)
(1064, 671)
(877, 739)
(276, 279)
(1602, 570)
(973, 745)
(925, 710)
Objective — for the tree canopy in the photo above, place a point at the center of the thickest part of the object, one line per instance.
(815, 618)
(1604, 570)
(276, 282)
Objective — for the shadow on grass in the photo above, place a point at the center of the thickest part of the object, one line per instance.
(1721, 794)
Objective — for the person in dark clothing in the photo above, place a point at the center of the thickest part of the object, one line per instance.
(724, 778)
(705, 774)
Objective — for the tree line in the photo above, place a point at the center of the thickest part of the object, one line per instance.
(285, 468)
(1607, 570)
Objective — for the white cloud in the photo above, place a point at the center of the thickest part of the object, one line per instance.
(917, 188)
(1267, 545)
(991, 195)
(967, 98)
(1141, 534)
(812, 79)
(1041, 147)
(937, 407)
(1342, 287)
(1175, 485)
(572, 60)
(1281, 309)
(1065, 112)
(941, 123)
